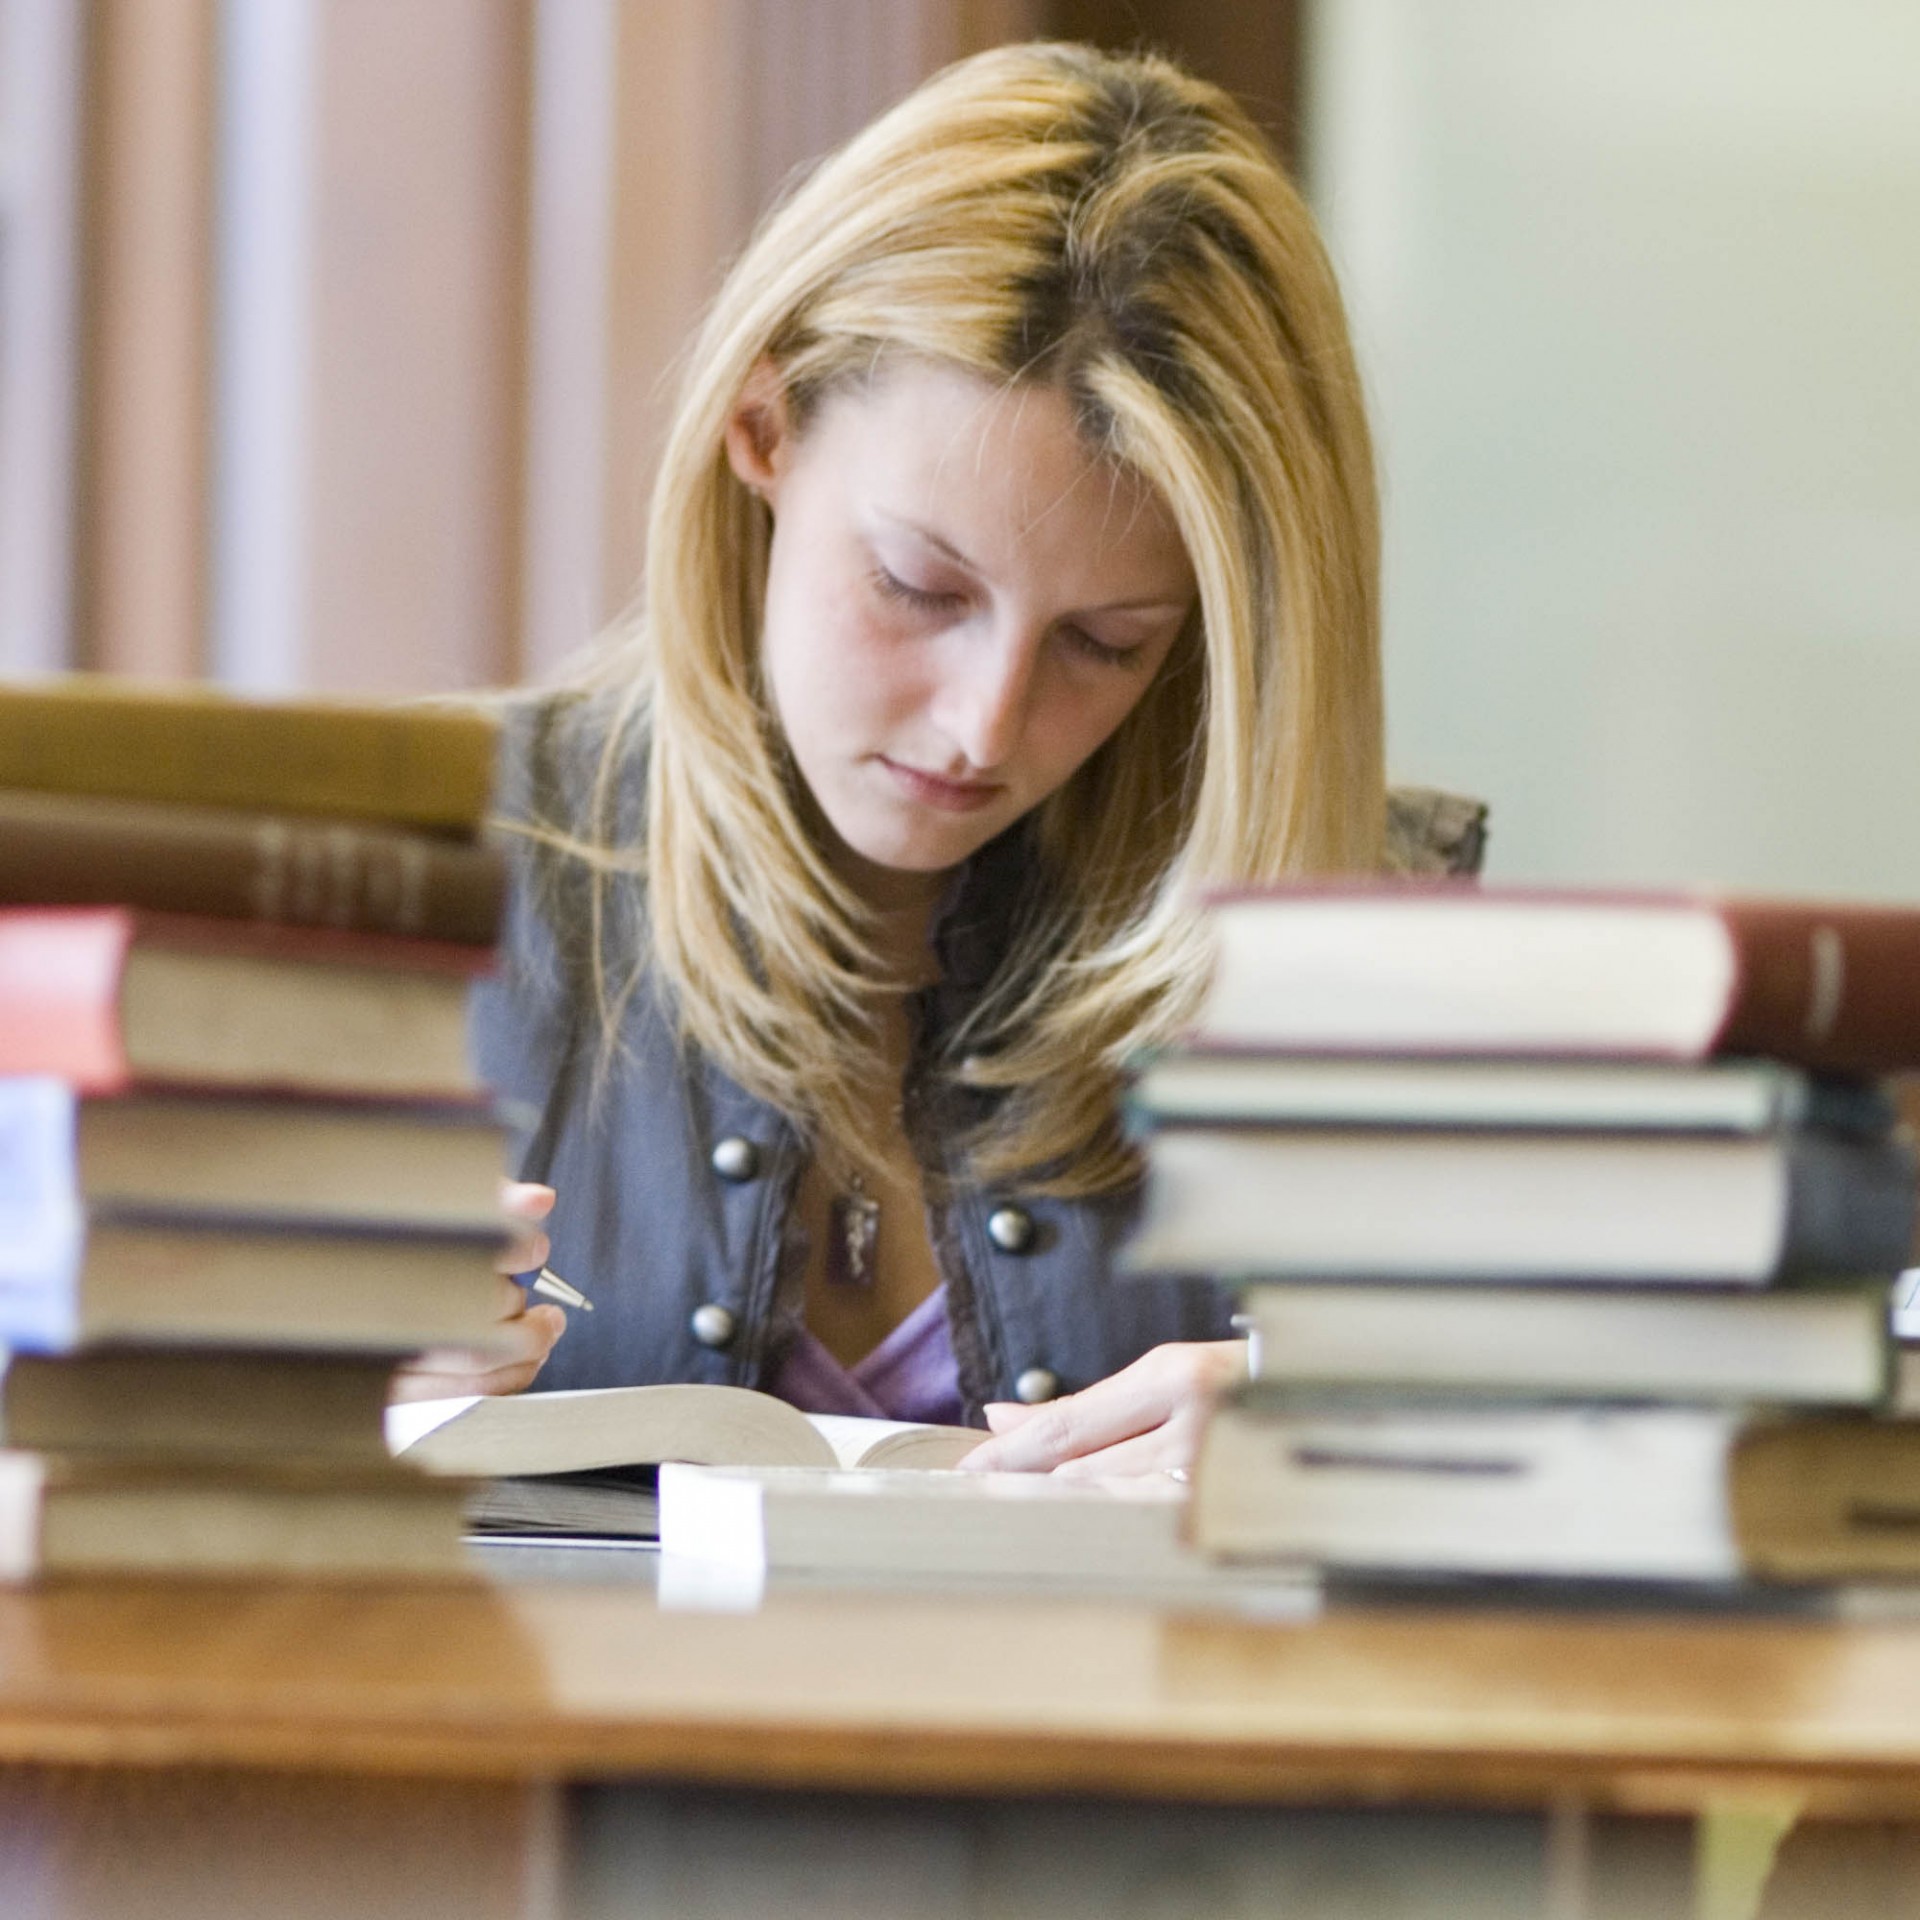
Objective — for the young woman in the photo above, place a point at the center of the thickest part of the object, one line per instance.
(1011, 576)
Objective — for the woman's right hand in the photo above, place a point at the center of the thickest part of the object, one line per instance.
(526, 1334)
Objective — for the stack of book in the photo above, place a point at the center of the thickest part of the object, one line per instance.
(1565, 1227)
(245, 1168)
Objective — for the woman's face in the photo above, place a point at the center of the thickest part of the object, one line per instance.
(962, 604)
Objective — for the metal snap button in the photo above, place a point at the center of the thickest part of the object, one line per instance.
(1010, 1229)
(1035, 1385)
(736, 1158)
(713, 1325)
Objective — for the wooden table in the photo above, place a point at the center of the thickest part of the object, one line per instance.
(295, 1750)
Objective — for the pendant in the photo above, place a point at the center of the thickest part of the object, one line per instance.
(853, 1238)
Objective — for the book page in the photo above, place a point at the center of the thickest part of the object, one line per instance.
(857, 1441)
(411, 1420)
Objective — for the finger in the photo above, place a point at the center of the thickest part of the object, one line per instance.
(1167, 1449)
(1135, 1400)
(1002, 1416)
(526, 1199)
(445, 1373)
(526, 1252)
(1109, 1411)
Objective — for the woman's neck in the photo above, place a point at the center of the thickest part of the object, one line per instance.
(903, 906)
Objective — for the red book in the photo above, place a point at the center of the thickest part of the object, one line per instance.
(106, 998)
(1450, 968)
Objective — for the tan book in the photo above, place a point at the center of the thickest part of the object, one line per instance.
(1036, 1531)
(418, 764)
(135, 1282)
(1489, 1490)
(107, 999)
(344, 1163)
(68, 1515)
(156, 1403)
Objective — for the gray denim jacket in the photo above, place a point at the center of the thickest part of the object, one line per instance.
(676, 1188)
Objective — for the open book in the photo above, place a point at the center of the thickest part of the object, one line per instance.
(581, 1461)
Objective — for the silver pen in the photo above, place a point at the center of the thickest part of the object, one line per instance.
(549, 1283)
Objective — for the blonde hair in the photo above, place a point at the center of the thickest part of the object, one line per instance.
(1118, 229)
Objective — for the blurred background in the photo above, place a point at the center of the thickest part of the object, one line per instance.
(334, 333)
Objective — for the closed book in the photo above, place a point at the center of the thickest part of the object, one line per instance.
(1439, 967)
(194, 1403)
(83, 1516)
(956, 1530)
(107, 999)
(249, 1161)
(1823, 1346)
(130, 1281)
(1305, 1090)
(415, 764)
(1681, 1209)
(1498, 1492)
(79, 850)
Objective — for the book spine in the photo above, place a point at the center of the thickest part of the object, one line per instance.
(1828, 986)
(1850, 1205)
(60, 976)
(279, 869)
(415, 766)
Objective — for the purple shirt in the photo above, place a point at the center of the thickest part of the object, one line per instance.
(910, 1375)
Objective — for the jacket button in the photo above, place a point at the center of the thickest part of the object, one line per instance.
(1010, 1229)
(1035, 1385)
(712, 1325)
(736, 1158)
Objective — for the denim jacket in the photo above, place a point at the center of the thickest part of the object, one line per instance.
(677, 1188)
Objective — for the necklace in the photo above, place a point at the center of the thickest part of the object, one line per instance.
(853, 1237)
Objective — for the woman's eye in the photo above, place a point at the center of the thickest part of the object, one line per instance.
(1098, 651)
(927, 599)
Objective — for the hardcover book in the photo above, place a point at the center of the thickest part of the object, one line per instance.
(1446, 968)
(107, 999)
(416, 764)
(80, 850)
(1681, 1209)
(1817, 1346)
(81, 1515)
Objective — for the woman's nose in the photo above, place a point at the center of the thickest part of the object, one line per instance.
(984, 700)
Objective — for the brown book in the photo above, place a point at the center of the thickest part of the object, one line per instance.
(189, 1403)
(68, 1514)
(416, 765)
(79, 850)
(1448, 968)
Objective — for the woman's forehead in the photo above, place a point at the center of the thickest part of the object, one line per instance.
(986, 465)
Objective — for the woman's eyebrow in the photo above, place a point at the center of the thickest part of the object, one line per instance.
(927, 534)
(1172, 604)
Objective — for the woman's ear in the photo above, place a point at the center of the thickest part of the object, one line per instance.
(759, 432)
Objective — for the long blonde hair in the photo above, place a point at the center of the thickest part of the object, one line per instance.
(1118, 229)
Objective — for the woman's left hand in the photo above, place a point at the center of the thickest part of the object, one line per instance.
(1143, 1419)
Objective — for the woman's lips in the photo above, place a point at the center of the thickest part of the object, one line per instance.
(949, 796)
